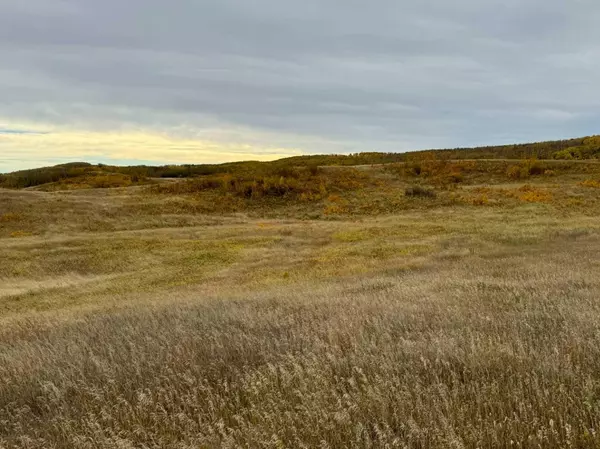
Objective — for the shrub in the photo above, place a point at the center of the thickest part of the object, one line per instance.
(109, 181)
(335, 209)
(530, 194)
(455, 178)
(416, 169)
(527, 168)
(419, 191)
(534, 167)
(299, 184)
(591, 183)
(480, 200)
(514, 172)
(566, 154)
(10, 217)
(589, 149)
(20, 234)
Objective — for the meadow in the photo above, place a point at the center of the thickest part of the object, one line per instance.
(428, 302)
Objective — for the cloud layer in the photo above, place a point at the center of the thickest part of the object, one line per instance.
(205, 81)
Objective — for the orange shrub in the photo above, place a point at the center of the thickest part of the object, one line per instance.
(530, 194)
(591, 183)
(515, 172)
(10, 217)
(334, 209)
(20, 234)
(109, 181)
(305, 185)
(527, 168)
(480, 200)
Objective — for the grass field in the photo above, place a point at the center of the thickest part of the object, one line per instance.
(430, 305)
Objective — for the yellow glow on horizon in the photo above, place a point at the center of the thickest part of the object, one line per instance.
(28, 148)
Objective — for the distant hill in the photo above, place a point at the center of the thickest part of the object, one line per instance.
(82, 173)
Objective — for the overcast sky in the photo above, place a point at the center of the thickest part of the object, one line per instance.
(152, 81)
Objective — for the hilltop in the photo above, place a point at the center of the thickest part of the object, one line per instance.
(85, 175)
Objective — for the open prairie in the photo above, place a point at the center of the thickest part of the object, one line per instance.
(438, 304)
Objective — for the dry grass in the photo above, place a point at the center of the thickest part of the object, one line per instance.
(130, 319)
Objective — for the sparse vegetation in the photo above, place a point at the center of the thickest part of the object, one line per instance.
(420, 303)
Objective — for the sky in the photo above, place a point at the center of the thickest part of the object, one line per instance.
(204, 81)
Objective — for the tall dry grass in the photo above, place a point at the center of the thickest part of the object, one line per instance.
(495, 352)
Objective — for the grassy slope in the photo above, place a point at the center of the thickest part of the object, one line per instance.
(83, 175)
(170, 317)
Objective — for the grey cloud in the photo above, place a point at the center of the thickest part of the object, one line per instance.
(322, 75)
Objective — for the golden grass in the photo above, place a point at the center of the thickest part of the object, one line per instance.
(133, 319)
(591, 183)
(91, 181)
